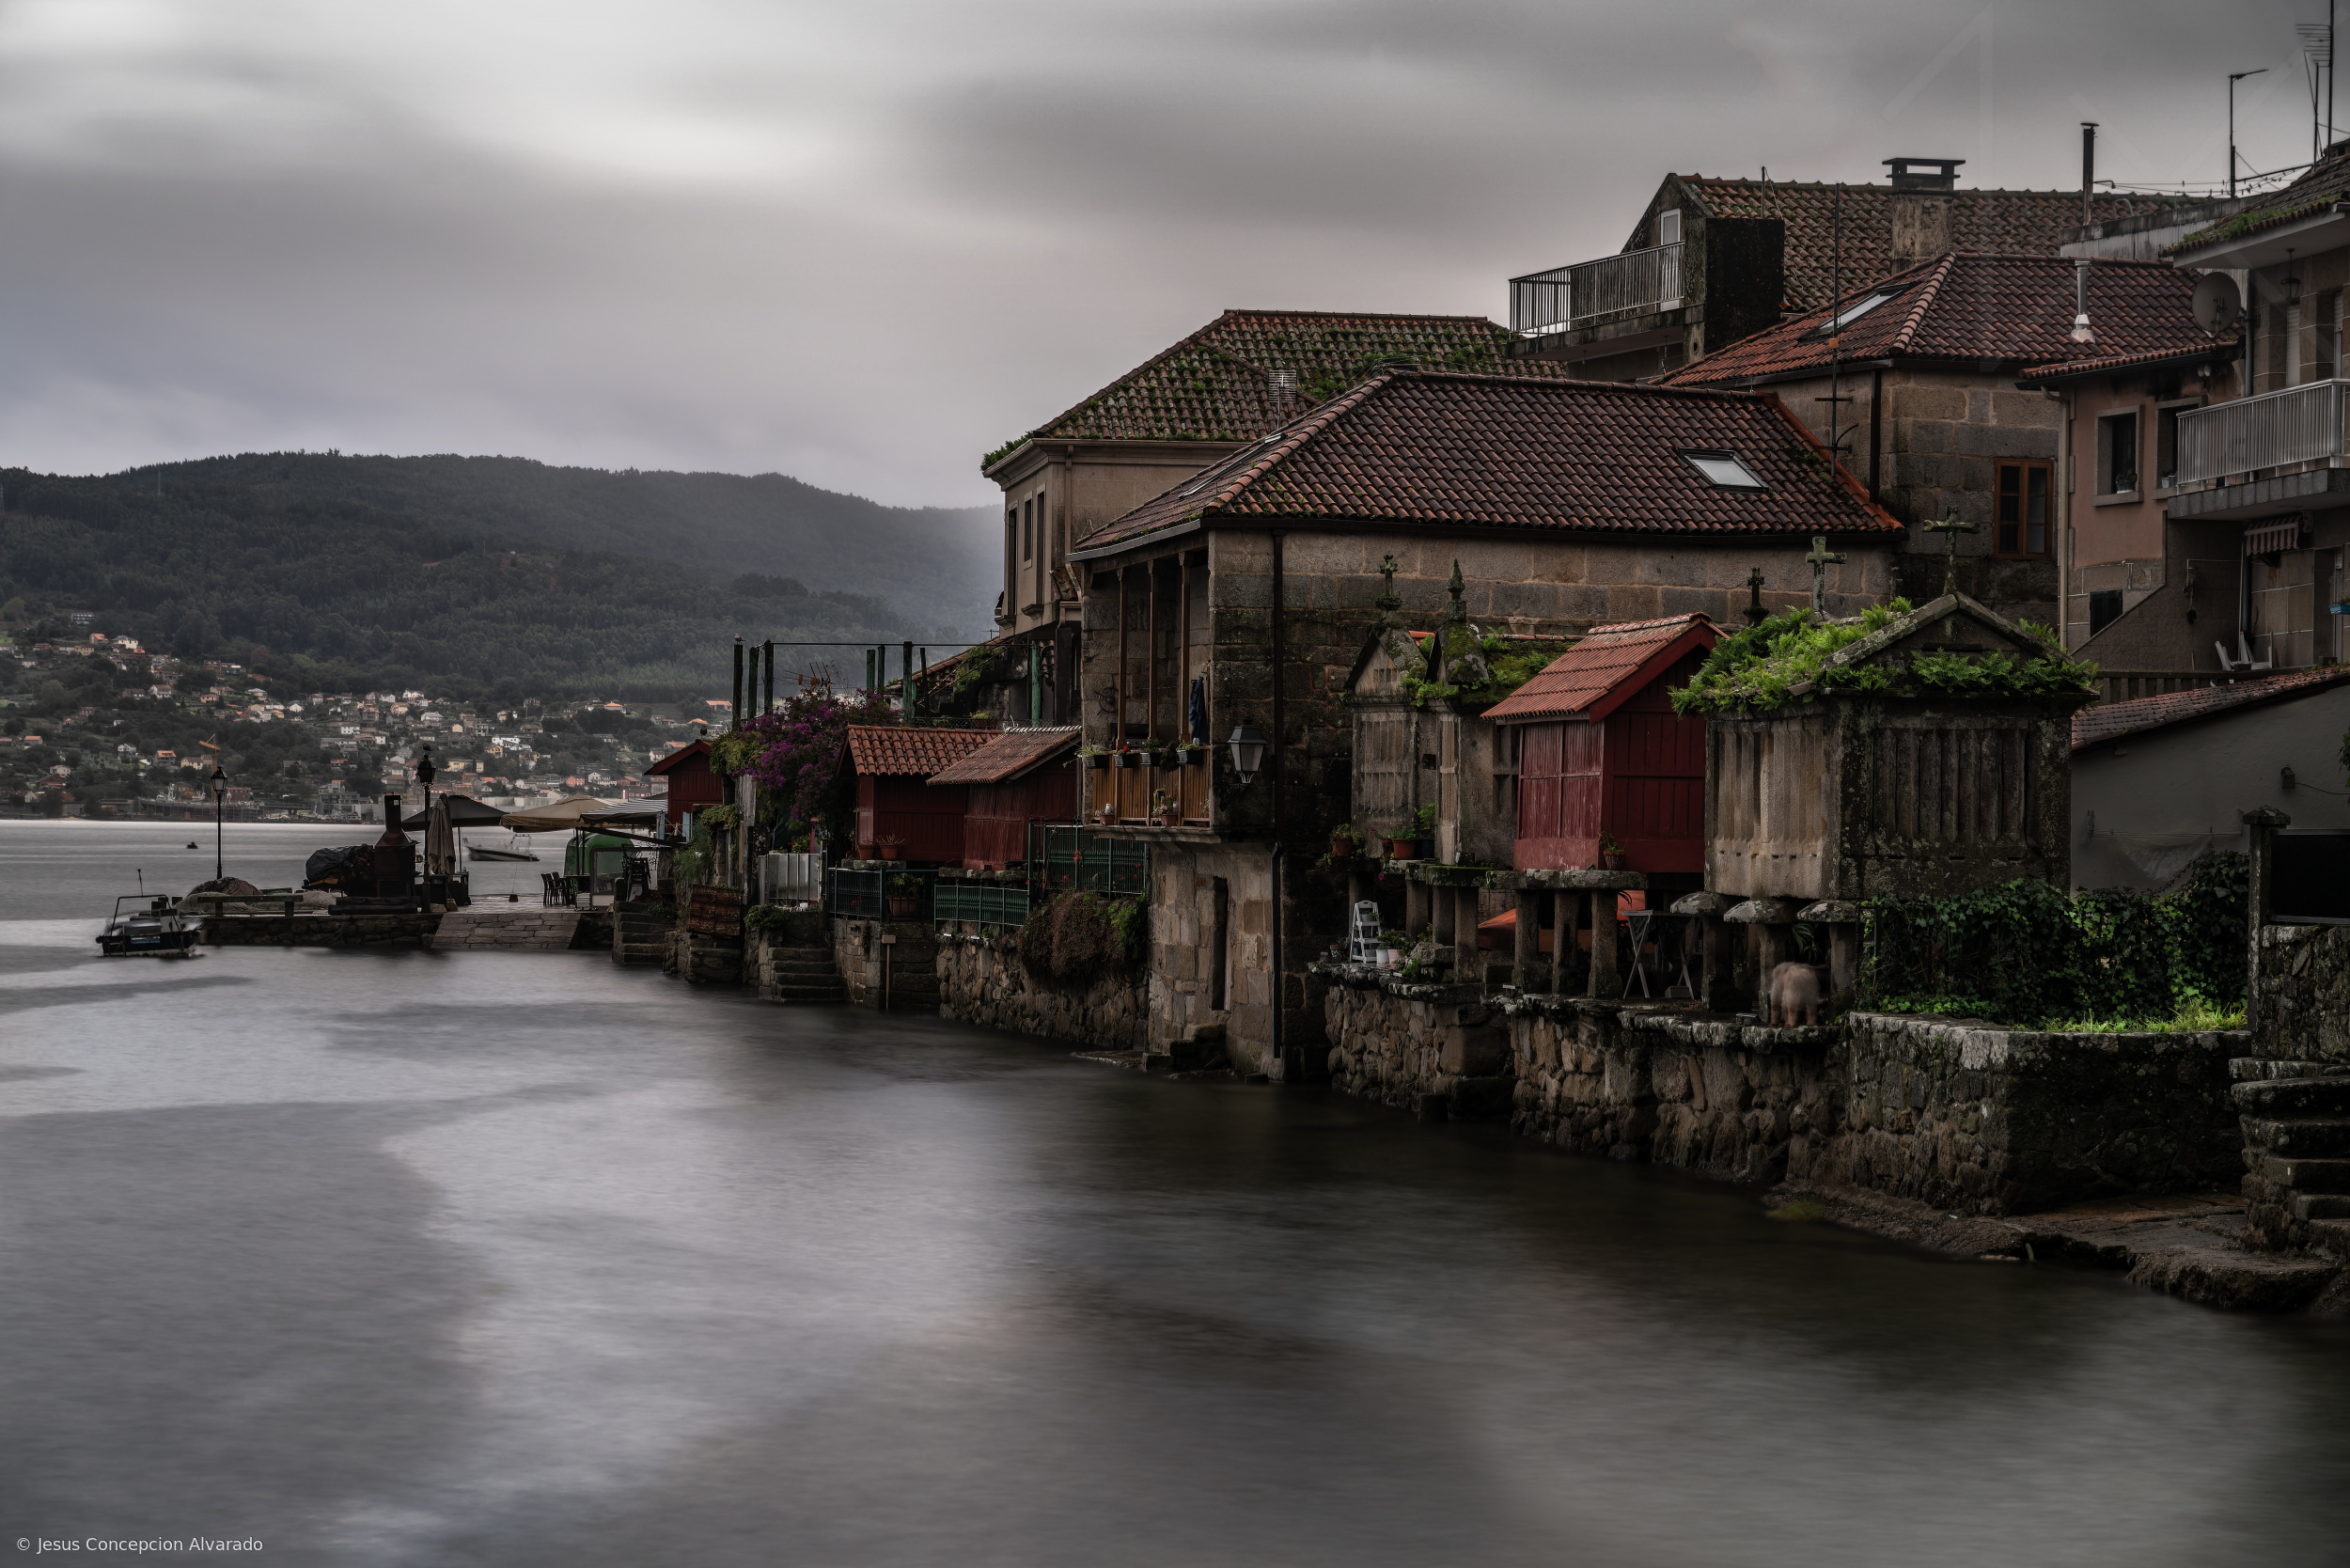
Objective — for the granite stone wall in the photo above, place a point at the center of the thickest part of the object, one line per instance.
(2302, 986)
(891, 963)
(980, 980)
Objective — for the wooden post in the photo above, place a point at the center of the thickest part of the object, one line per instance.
(1469, 960)
(1118, 714)
(1183, 653)
(1566, 920)
(1529, 945)
(1604, 981)
(1151, 655)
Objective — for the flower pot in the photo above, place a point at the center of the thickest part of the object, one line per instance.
(902, 907)
(1169, 819)
(1123, 760)
(1612, 861)
(893, 851)
(1341, 848)
(1191, 756)
(1402, 849)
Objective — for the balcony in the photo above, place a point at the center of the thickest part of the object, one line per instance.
(1565, 298)
(2266, 455)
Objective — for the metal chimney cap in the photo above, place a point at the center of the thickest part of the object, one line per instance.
(1926, 174)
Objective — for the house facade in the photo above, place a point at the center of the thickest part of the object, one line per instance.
(1713, 260)
(1257, 583)
(1194, 403)
(1916, 378)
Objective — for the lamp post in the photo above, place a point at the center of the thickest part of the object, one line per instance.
(1247, 746)
(2234, 77)
(220, 795)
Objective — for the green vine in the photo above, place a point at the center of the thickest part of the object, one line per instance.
(1762, 667)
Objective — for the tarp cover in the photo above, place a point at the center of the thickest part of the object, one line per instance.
(463, 811)
(561, 817)
(350, 867)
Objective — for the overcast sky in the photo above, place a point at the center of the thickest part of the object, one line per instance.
(863, 243)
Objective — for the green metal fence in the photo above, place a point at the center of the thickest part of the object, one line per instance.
(982, 903)
(1065, 857)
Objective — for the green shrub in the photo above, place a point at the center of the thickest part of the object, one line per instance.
(1760, 667)
(1077, 938)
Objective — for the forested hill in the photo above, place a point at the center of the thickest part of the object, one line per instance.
(493, 574)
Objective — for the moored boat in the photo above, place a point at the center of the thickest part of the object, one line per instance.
(152, 927)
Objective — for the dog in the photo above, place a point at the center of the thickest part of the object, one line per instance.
(1795, 988)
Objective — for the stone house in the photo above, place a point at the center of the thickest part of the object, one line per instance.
(2263, 475)
(1914, 378)
(1257, 583)
(1196, 402)
(1712, 261)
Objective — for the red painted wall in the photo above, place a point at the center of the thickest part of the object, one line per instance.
(928, 817)
(1639, 774)
(692, 787)
(995, 830)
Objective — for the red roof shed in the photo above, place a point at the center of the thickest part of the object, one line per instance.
(1029, 775)
(1603, 754)
(693, 784)
(895, 798)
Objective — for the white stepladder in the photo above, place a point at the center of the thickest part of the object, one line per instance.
(1363, 943)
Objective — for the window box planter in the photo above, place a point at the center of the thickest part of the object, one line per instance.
(1190, 756)
(1125, 759)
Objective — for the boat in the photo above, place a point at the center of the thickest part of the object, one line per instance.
(152, 928)
(477, 852)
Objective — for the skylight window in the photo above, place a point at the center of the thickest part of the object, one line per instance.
(1726, 469)
(1847, 315)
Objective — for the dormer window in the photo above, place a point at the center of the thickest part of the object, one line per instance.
(1725, 470)
(1845, 316)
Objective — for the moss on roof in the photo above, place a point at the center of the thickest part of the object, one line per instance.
(1790, 658)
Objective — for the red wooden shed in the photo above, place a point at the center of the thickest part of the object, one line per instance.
(1028, 775)
(693, 784)
(895, 798)
(1603, 754)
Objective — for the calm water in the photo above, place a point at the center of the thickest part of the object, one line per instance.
(399, 1259)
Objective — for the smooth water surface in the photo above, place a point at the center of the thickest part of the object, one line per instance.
(522, 1259)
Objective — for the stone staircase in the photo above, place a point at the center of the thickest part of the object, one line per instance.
(641, 932)
(803, 975)
(2296, 1153)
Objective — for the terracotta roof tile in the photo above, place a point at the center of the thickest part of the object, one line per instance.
(2016, 310)
(2218, 350)
(1218, 384)
(2326, 182)
(1604, 660)
(1510, 453)
(2014, 222)
(889, 748)
(2110, 721)
(1009, 754)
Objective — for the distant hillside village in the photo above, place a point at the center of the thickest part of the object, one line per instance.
(98, 726)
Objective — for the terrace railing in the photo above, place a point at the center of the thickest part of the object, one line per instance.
(1566, 297)
(2274, 429)
(978, 904)
(1066, 857)
(870, 895)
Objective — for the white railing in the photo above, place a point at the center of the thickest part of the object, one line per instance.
(2300, 424)
(1569, 296)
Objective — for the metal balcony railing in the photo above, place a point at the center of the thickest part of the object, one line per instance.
(878, 895)
(1061, 858)
(2300, 424)
(980, 904)
(1564, 297)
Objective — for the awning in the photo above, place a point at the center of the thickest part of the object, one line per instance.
(2270, 538)
(629, 811)
(463, 811)
(564, 816)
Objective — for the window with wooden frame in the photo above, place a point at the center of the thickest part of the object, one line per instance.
(2117, 453)
(2020, 516)
(1027, 528)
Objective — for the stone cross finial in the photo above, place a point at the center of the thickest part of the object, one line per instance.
(1756, 614)
(1951, 527)
(1460, 609)
(1388, 601)
(1821, 557)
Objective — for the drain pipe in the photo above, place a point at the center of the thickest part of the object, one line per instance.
(1280, 987)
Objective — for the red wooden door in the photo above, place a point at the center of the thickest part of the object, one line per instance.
(1655, 785)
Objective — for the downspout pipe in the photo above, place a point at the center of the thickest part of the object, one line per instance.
(1280, 983)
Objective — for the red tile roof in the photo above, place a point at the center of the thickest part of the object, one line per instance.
(2016, 310)
(1009, 754)
(2327, 182)
(1444, 450)
(678, 758)
(889, 748)
(2023, 223)
(2110, 721)
(1611, 661)
(1218, 384)
(2217, 351)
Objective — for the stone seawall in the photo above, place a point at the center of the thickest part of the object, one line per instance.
(319, 930)
(888, 964)
(980, 980)
(1958, 1116)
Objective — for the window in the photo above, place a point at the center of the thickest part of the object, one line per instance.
(2105, 608)
(2117, 453)
(1027, 528)
(2166, 441)
(1725, 469)
(2327, 365)
(2020, 525)
(1845, 316)
(1668, 227)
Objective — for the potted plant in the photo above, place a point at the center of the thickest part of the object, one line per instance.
(1401, 845)
(1344, 841)
(1190, 754)
(904, 896)
(1105, 813)
(1091, 757)
(1424, 827)
(1122, 757)
(1164, 807)
(1611, 852)
(889, 846)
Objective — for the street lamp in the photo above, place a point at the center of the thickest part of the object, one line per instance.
(1247, 743)
(2234, 77)
(220, 795)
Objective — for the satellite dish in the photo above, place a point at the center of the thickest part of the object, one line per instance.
(2217, 305)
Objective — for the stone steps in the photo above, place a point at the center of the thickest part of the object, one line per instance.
(2304, 1176)
(804, 975)
(2326, 1098)
(2302, 1137)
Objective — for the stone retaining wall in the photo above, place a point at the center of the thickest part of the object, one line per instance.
(981, 981)
(2301, 987)
(1961, 1116)
(894, 962)
(319, 930)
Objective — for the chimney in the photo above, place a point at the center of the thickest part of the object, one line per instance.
(2088, 167)
(1926, 174)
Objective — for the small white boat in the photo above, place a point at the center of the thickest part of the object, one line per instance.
(478, 852)
(153, 928)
